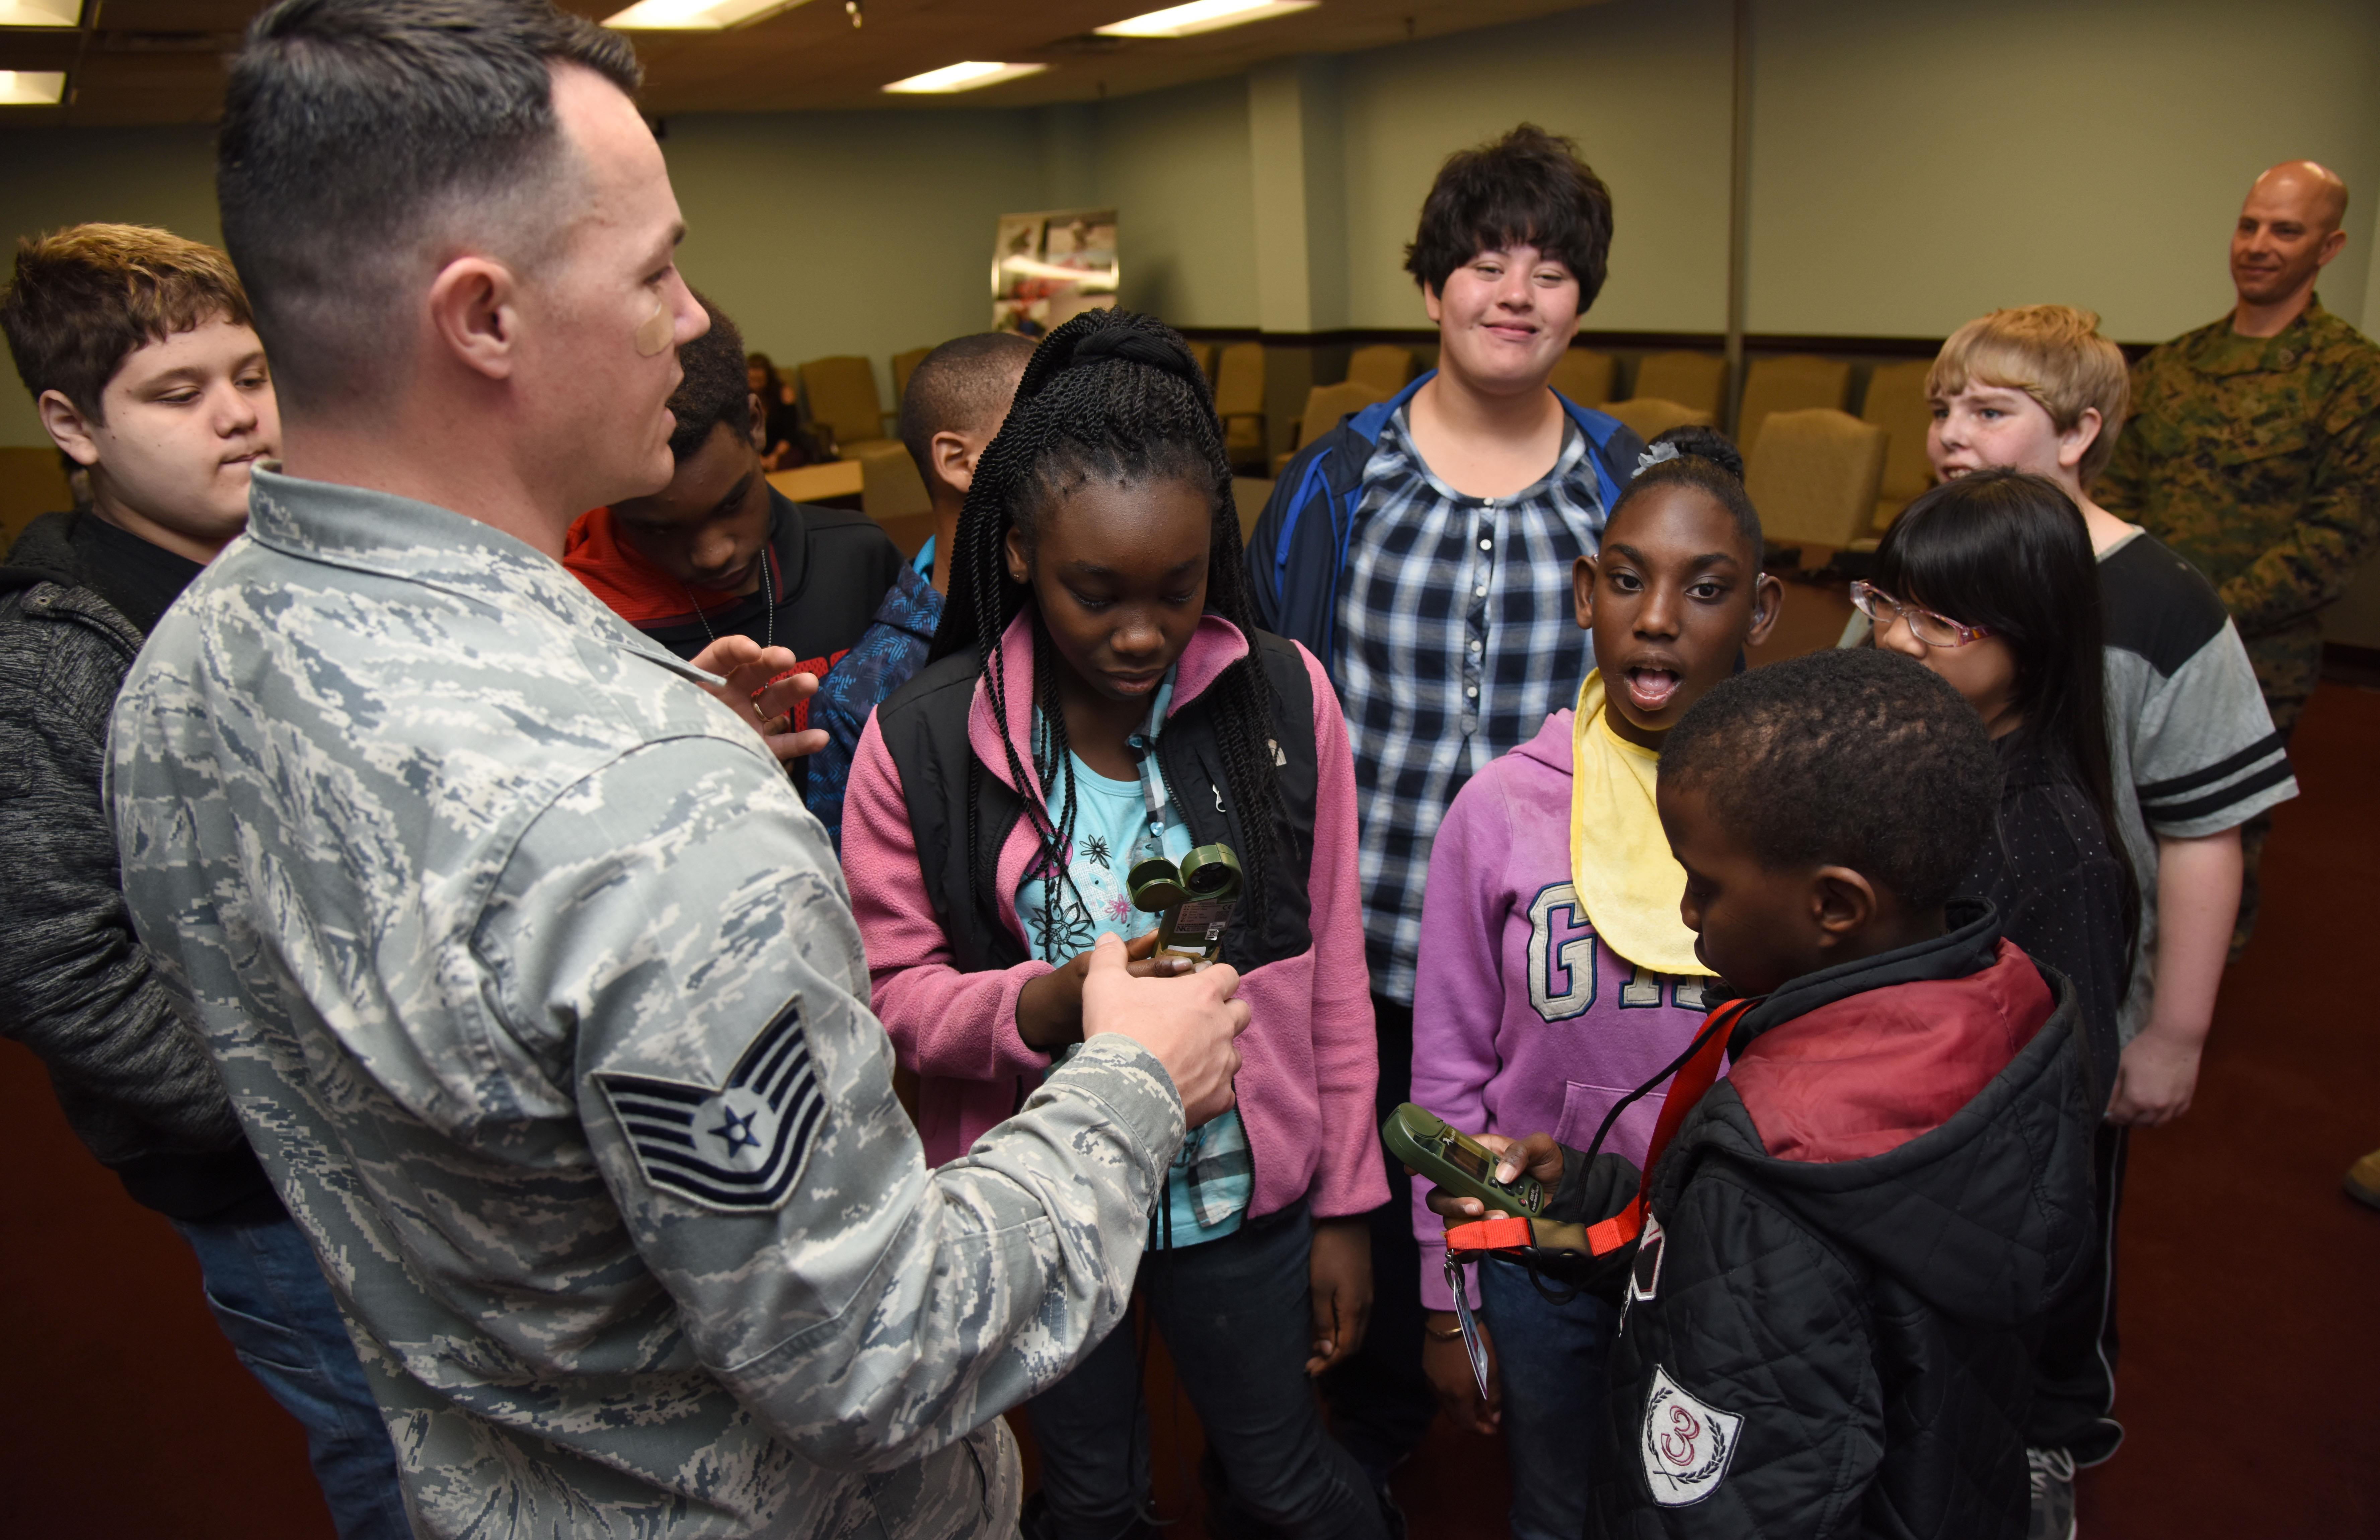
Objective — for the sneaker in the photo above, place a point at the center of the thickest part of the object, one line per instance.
(2363, 1180)
(2052, 1475)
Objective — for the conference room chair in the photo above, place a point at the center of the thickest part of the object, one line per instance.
(890, 488)
(1814, 476)
(1650, 414)
(1793, 383)
(1240, 402)
(1248, 497)
(841, 395)
(1325, 405)
(1205, 353)
(1896, 403)
(1696, 380)
(1583, 376)
(1385, 368)
(903, 366)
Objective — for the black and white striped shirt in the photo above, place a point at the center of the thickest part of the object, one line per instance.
(2195, 748)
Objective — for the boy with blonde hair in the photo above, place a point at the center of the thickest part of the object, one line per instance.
(142, 356)
(2038, 389)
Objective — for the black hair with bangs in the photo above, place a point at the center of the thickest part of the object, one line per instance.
(1527, 188)
(2009, 552)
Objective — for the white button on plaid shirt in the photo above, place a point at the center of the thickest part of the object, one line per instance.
(1456, 637)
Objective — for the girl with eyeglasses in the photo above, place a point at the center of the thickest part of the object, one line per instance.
(1989, 581)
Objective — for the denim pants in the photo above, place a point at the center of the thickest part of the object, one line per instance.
(1551, 1361)
(1234, 1313)
(268, 1294)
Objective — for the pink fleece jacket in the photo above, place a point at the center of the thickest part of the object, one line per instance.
(1309, 1058)
(1525, 1020)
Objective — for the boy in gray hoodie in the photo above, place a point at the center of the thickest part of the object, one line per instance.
(138, 350)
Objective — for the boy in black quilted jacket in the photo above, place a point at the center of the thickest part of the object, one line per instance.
(1825, 1328)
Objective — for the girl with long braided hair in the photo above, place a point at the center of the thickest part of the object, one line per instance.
(1098, 694)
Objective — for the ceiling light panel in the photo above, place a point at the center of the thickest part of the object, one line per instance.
(1202, 16)
(32, 88)
(690, 16)
(973, 75)
(39, 13)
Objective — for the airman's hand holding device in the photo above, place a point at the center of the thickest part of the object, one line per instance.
(1197, 899)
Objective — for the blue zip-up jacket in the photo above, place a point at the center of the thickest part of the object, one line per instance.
(1300, 546)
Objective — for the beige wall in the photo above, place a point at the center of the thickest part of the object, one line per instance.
(1642, 85)
(1916, 163)
(1175, 165)
(867, 233)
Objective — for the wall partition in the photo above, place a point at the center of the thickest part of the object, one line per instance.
(1910, 164)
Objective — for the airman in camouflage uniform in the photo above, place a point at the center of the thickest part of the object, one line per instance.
(541, 995)
(533, 985)
(2253, 448)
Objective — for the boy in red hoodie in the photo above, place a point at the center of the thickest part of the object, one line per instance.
(1848, 1242)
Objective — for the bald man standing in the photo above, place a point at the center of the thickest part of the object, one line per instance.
(2254, 449)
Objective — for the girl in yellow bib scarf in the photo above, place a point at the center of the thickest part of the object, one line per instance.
(1556, 975)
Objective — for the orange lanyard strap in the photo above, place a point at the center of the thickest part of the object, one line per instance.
(1484, 1237)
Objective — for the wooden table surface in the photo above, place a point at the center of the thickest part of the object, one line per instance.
(820, 483)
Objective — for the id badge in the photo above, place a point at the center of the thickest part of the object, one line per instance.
(1470, 1325)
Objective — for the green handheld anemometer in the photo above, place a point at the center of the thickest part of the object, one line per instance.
(1459, 1163)
(1197, 899)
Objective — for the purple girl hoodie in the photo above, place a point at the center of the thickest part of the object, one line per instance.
(1524, 1019)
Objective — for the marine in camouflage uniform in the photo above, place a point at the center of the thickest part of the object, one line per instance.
(2258, 459)
(539, 993)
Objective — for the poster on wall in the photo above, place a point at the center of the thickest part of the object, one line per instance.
(1047, 268)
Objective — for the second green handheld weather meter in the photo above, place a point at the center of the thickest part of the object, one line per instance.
(1459, 1163)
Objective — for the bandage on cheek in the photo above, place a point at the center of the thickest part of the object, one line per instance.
(655, 333)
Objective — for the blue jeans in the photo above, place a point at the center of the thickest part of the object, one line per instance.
(1236, 1313)
(268, 1295)
(1551, 1359)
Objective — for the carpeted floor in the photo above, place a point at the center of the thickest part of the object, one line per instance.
(2252, 1359)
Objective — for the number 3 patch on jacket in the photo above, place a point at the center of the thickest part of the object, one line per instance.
(1685, 1443)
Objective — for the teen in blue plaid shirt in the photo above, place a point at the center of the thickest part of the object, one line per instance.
(1422, 549)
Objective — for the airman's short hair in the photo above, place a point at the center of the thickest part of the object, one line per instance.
(2054, 354)
(87, 297)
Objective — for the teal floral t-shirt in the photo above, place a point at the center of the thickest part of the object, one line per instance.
(1117, 824)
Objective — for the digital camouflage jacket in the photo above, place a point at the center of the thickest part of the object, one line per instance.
(2258, 459)
(539, 992)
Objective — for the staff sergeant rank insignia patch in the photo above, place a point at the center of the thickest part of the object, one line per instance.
(735, 1147)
